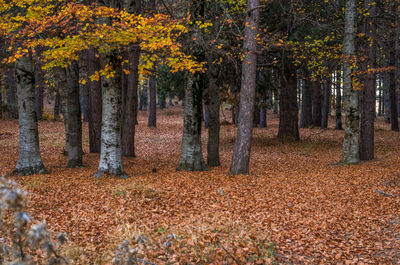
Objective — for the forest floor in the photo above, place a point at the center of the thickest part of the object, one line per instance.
(296, 207)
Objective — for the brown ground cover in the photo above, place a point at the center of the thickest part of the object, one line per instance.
(294, 208)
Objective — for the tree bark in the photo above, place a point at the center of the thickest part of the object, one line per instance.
(306, 106)
(38, 91)
(191, 158)
(11, 99)
(111, 151)
(73, 114)
(338, 110)
(57, 106)
(369, 92)
(393, 74)
(130, 106)
(152, 122)
(94, 103)
(326, 104)
(29, 159)
(350, 154)
(263, 117)
(288, 108)
(213, 105)
(241, 156)
(316, 104)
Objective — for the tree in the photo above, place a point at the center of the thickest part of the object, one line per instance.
(350, 152)
(191, 158)
(111, 149)
(288, 108)
(367, 128)
(29, 159)
(392, 63)
(130, 84)
(94, 102)
(306, 105)
(152, 121)
(241, 156)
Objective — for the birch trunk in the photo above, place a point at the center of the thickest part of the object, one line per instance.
(111, 151)
(29, 159)
(350, 152)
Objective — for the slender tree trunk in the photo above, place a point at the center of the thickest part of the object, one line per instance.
(57, 106)
(206, 116)
(73, 114)
(152, 122)
(39, 92)
(213, 106)
(369, 92)
(386, 96)
(256, 116)
(325, 105)
(191, 158)
(62, 86)
(84, 94)
(316, 104)
(11, 99)
(306, 106)
(94, 103)
(111, 151)
(130, 107)
(350, 153)
(241, 156)
(276, 102)
(29, 159)
(288, 108)
(263, 117)
(338, 109)
(393, 74)
(380, 105)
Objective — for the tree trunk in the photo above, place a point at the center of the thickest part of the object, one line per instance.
(263, 117)
(38, 93)
(380, 105)
(326, 104)
(350, 153)
(152, 122)
(288, 108)
(338, 110)
(11, 99)
(306, 106)
(256, 116)
(191, 158)
(57, 106)
(73, 114)
(275, 109)
(94, 103)
(212, 105)
(369, 92)
(130, 106)
(29, 159)
(111, 151)
(316, 104)
(84, 93)
(241, 156)
(393, 74)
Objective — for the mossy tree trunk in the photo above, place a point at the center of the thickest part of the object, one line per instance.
(350, 152)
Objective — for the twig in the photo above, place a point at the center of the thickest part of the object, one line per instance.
(384, 193)
(233, 257)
